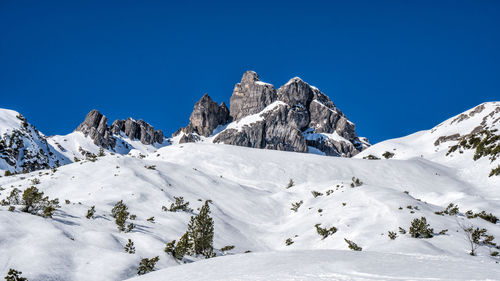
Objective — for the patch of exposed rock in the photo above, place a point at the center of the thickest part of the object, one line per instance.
(206, 116)
(250, 96)
(95, 126)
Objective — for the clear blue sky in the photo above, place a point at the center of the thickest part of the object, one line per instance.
(393, 67)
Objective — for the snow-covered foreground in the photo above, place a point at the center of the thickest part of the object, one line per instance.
(251, 209)
(328, 265)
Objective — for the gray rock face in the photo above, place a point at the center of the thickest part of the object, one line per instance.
(293, 118)
(95, 126)
(275, 131)
(206, 116)
(137, 130)
(250, 96)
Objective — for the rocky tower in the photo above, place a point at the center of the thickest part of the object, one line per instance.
(206, 116)
(95, 126)
(250, 96)
(296, 117)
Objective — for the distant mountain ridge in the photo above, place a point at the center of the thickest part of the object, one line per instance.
(24, 149)
(295, 117)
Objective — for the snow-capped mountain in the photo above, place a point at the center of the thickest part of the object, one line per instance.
(469, 142)
(296, 117)
(22, 147)
(122, 137)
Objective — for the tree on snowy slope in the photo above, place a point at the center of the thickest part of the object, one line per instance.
(14, 275)
(201, 233)
(120, 213)
(33, 201)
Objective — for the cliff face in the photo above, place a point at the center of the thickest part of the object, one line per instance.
(296, 117)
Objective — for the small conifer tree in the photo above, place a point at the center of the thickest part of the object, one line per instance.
(201, 232)
(324, 232)
(14, 198)
(227, 248)
(14, 275)
(296, 206)
(169, 248)
(419, 228)
(120, 213)
(90, 213)
(180, 205)
(147, 265)
(353, 246)
(182, 247)
(129, 248)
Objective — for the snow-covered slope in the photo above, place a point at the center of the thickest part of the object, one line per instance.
(252, 211)
(435, 144)
(23, 147)
(77, 145)
(327, 265)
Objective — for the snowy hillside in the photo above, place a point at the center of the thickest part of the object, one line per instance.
(251, 207)
(23, 147)
(327, 265)
(435, 144)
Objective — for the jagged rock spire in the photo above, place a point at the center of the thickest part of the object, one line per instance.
(95, 126)
(250, 96)
(296, 116)
(206, 116)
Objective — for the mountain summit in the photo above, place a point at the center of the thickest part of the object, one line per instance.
(296, 117)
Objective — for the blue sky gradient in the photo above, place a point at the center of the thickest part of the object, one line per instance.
(393, 67)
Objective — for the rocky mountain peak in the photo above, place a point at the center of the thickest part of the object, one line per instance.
(250, 96)
(250, 77)
(296, 92)
(206, 116)
(295, 117)
(96, 127)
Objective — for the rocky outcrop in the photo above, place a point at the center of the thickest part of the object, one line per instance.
(206, 116)
(250, 96)
(137, 130)
(293, 118)
(95, 126)
(22, 147)
(276, 130)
